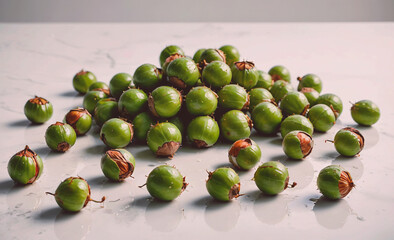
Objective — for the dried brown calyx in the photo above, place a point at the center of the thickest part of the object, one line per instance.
(173, 57)
(238, 145)
(82, 72)
(184, 185)
(151, 105)
(234, 191)
(336, 113)
(299, 79)
(247, 103)
(345, 183)
(360, 137)
(307, 90)
(27, 152)
(168, 149)
(159, 72)
(63, 147)
(178, 83)
(306, 143)
(38, 100)
(250, 122)
(106, 91)
(287, 185)
(200, 143)
(125, 167)
(244, 65)
(74, 115)
(221, 54)
(305, 111)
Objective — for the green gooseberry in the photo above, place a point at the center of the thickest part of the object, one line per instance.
(117, 164)
(310, 81)
(217, 74)
(116, 133)
(165, 183)
(348, 142)
(258, 95)
(82, 81)
(201, 101)
(168, 51)
(280, 73)
(79, 119)
(311, 94)
(296, 122)
(60, 137)
(168, 61)
(297, 144)
(279, 89)
(333, 101)
(322, 117)
(294, 103)
(245, 74)
(183, 73)
(99, 85)
(147, 77)
(120, 83)
(91, 98)
(231, 53)
(365, 112)
(141, 125)
(223, 184)
(233, 97)
(105, 109)
(25, 167)
(210, 55)
(197, 55)
(203, 131)
(38, 110)
(132, 102)
(334, 182)
(165, 102)
(164, 139)
(177, 121)
(244, 154)
(267, 118)
(272, 178)
(264, 80)
(235, 125)
(73, 194)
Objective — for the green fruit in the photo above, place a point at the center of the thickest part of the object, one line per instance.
(233, 97)
(168, 61)
(105, 109)
(203, 131)
(38, 110)
(297, 144)
(235, 125)
(223, 184)
(91, 98)
(197, 55)
(348, 142)
(231, 53)
(296, 122)
(116, 133)
(294, 103)
(322, 117)
(164, 139)
(334, 182)
(82, 81)
(165, 183)
(217, 74)
(258, 95)
(245, 74)
(141, 125)
(333, 101)
(132, 102)
(147, 76)
(266, 118)
(177, 121)
(244, 154)
(201, 101)
(210, 55)
(365, 112)
(79, 119)
(60, 137)
(311, 94)
(280, 89)
(117, 164)
(98, 85)
(25, 167)
(165, 102)
(168, 51)
(183, 73)
(120, 83)
(310, 81)
(280, 73)
(272, 178)
(264, 80)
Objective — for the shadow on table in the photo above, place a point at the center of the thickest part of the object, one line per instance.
(331, 214)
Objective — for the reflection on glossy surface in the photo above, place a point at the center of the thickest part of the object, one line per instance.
(270, 209)
(222, 216)
(73, 225)
(163, 216)
(300, 171)
(353, 165)
(331, 214)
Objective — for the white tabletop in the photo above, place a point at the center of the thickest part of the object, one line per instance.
(354, 60)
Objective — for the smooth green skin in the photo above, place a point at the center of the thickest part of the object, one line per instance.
(98, 85)
(293, 103)
(296, 122)
(310, 81)
(264, 80)
(220, 183)
(132, 102)
(280, 73)
(111, 169)
(116, 133)
(233, 97)
(120, 83)
(280, 89)
(258, 95)
(83, 124)
(105, 110)
(197, 55)
(311, 96)
(232, 54)
(234, 125)
(91, 98)
(248, 157)
(365, 112)
(210, 55)
(168, 51)
(81, 83)
(347, 143)
(201, 101)
(177, 121)
(266, 118)
(165, 183)
(141, 125)
(247, 78)
(270, 177)
(204, 128)
(38, 113)
(56, 134)
(71, 194)
(167, 101)
(22, 169)
(147, 76)
(328, 180)
(184, 69)
(333, 100)
(322, 117)
(162, 133)
(217, 74)
(291, 145)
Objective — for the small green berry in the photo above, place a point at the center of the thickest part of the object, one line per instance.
(25, 167)
(210, 55)
(267, 117)
(334, 182)
(165, 102)
(116, 133)
(231, 53)
(141, 125)
(79, 119)
(264, 80)
(245, 74)
(216, 74)
(348, 142)
(244, 154)
(38, 110)
(117, 164)
(120, 83)
(297, 144)
(203, 131)
(99, 85)
(258, 95)
(365, 112)
(82, 81)
(164, 139)
(322, 117)
(233, 97)
(279, 89)
(91, 98)
(294, 103)
(296, 122)
(201, 101)
(183, 73)
(223, 184)
(197, 55)
(147, 77)
(280, 73)
(132, 102)
(105, 109)
(235, 125)
(168, 51)
(311, 94)
(60, 137)
(310, 81)
(272, 178)
(333, 101)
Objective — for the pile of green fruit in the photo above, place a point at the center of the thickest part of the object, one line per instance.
(198, 101)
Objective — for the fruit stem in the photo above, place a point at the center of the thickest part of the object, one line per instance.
(292, 185)
(50, 193)
(96, 201)
(331, 141)
(143, 185)
(299, 78)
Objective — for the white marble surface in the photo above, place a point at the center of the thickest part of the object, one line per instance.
(355, 61)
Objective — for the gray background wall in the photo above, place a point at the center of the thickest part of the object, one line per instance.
(195, 10)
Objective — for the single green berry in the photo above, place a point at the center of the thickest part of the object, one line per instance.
(279, 89)
(297, 144)
(280, 73)
(120, 83)
(223, 184)
(264, 80)
(141, 125)
(233, 97)
(183, 73)
(235, 125)
(311, 94)
(294, 103)
(365, 112)
(296, 122)
(310, 81)
(91, 98)
(147, 77)
(333, 101)
(116, 133)
(38, 110)
(203, 131)
(244, 154)
(82, 81)
(258, 95)
(267, 118)
(168, 51)
(60, 137)
(348, 142)
(197, 55)
(79, 119)
(334, 182)
(165, 183)
(117, 164)
(177, 121)
(105, 109)
(210, 55)
(164, 139)
(272, 178)
(168, 61)
(99, 85)
(201, 101)
(245, 74)
(165, 102)
(231, 53)
(25, 167)
(132, 102)
(322, 117)
(217, 74)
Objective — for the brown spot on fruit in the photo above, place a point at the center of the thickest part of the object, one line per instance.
(168, 149)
